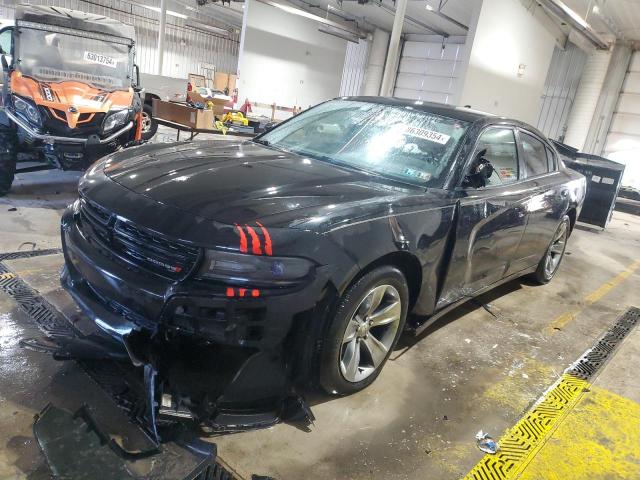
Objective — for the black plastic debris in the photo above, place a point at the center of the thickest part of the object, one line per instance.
(77, 448)
(73, 450)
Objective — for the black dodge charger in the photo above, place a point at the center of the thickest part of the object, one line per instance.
(238, 270)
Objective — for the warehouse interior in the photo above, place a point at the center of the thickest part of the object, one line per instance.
(511, 297)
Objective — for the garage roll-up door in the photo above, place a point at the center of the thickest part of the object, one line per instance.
(623, 139)
(429, 71)
(565, 71)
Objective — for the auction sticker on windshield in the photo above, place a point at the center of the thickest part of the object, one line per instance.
(100, 59)
(427, 134)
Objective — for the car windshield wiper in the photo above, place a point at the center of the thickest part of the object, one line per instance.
(266, 143)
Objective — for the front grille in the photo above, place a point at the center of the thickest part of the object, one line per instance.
(57, 124)
(139, 246)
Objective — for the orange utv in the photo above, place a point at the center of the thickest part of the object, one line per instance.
(70, 90)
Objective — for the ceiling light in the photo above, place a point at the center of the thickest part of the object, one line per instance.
(429, 7)
(596, 9)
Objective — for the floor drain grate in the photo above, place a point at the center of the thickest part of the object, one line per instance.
(594, 358)
(29, 254)
(519, 444)
(31, 302)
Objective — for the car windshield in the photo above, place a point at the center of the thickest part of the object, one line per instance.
(56, 57)
(397, 141)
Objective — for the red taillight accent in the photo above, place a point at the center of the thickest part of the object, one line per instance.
(255, 241)
(267, 239)
(189, 87)
(255, 292)
(177, 269)
(230, 292)
(243, 239)
(242, 291)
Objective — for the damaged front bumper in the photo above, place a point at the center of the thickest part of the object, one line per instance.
(221, 363)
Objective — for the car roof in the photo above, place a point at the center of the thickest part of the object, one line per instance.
(460, 113)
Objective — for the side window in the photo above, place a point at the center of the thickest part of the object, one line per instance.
(5, 41)
(535, 155)
(551, 160)
(502, 153)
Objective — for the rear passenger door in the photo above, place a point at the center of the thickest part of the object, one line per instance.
(544, 201)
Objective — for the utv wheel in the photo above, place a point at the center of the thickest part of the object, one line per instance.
(368, 322)
(8, 156)
(149, 124)
(550, 263)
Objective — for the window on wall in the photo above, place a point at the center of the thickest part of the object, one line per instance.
(535, 155)
(501, 151)
(5, 41)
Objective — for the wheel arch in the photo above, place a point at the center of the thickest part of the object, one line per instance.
(404, 261)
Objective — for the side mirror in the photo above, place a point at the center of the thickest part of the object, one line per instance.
(270, 126)
(480, 171)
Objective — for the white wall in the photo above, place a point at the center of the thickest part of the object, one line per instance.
(286, 60)
(623, 140)
(507, 35)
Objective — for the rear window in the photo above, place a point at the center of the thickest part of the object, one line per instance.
(535, 155)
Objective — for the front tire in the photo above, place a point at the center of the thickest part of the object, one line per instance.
(368, 322)
(550, 263)
(149, 124)
(8, 159)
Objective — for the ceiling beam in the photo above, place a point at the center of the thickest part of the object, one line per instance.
(575, 21)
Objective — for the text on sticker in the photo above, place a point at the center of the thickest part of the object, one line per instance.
(428, 135)
(100, 59)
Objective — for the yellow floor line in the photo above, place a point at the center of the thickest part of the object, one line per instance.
(564, 319)
(519, 445)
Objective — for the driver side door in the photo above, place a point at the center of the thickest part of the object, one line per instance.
(491, 219)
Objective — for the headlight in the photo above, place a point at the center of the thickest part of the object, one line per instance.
(27, 110)
(253, 269)
(115, 119)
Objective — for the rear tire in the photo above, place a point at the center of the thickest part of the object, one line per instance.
(149, 124)
(367, 324)
(550, 263)
(8, 159)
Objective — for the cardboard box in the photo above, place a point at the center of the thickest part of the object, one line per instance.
(183, 114)
(220, 81)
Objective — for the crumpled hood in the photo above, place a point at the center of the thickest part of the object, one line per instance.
(243, 182)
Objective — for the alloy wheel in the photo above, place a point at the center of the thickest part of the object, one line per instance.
(370, 333)
(146, 122)
(556, 250)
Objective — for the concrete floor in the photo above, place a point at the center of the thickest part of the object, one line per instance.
(476, 369)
